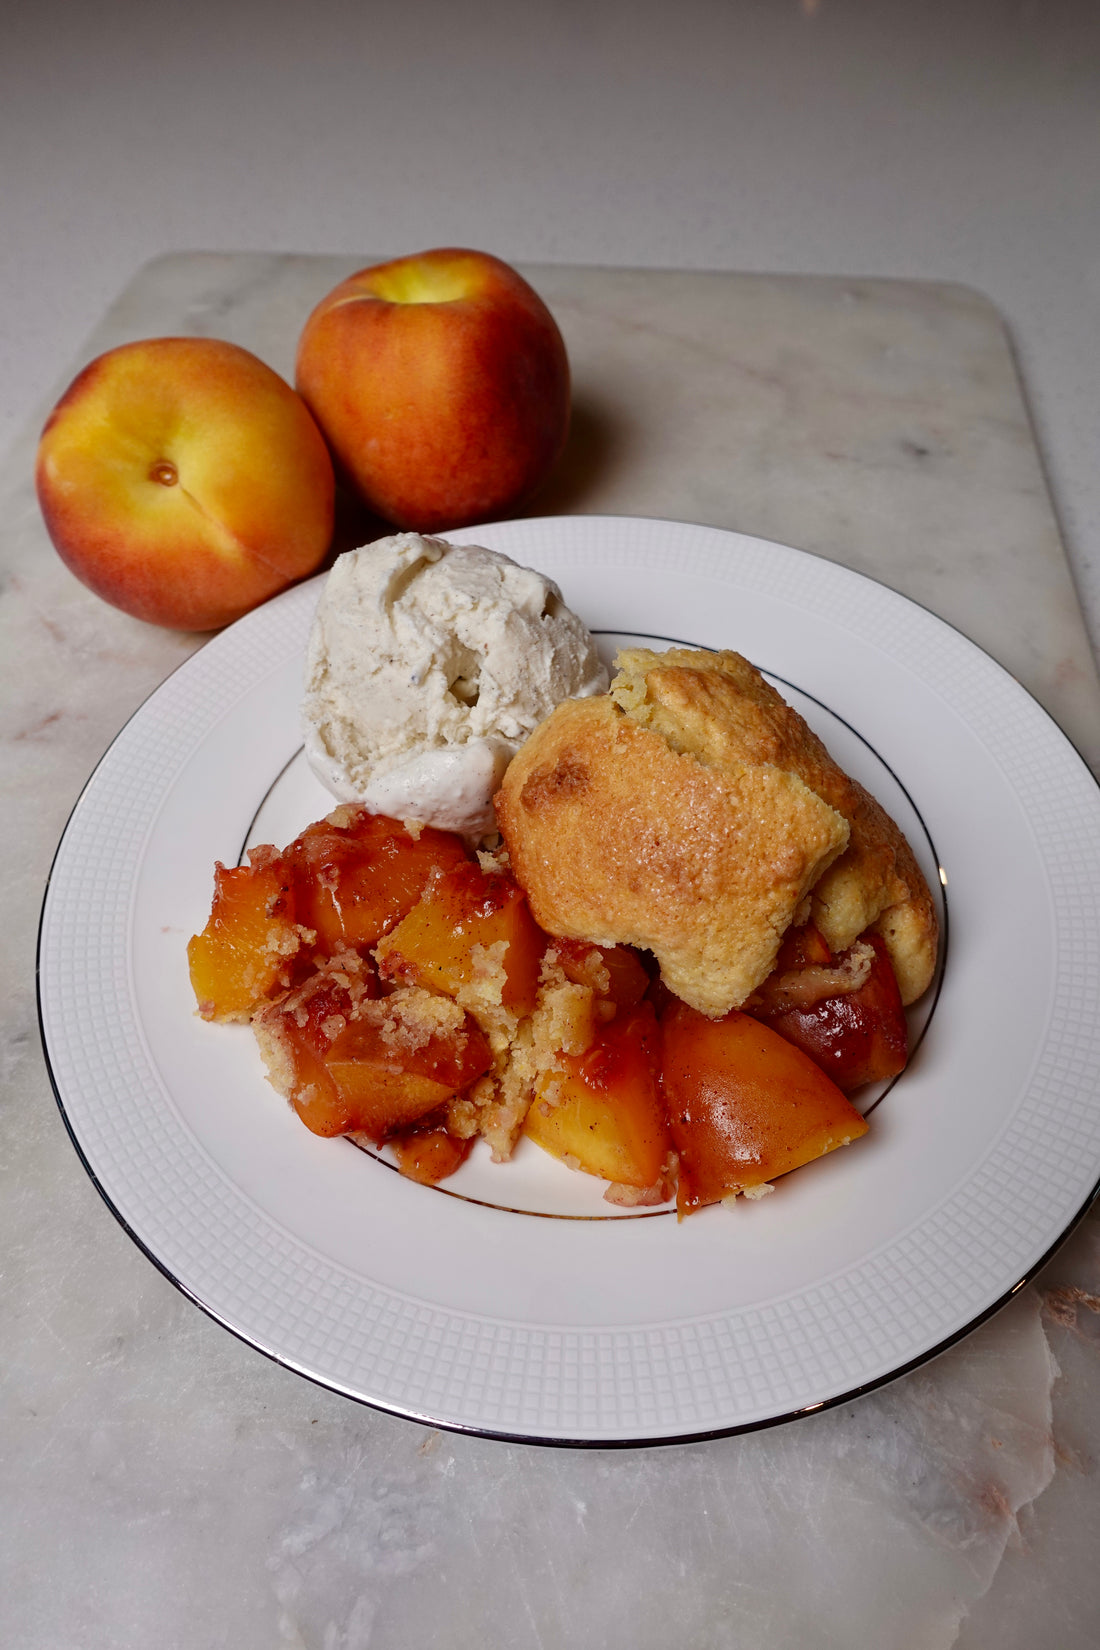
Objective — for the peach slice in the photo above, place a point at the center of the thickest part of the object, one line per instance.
(356, 874)
(467, 908)
(744, 1105)
(429, 1155)
(350, 1061)
(346, 879)
(390, 1069)
(243, 955)
(295, 1033)
(605, 1115)
(858, 1036)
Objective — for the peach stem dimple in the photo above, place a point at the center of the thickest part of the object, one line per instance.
(165, 472)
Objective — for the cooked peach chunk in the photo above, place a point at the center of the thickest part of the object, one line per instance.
(450, 937)
(242, 956)
(857, 1036)
(614, 972)
(350, 1061)
(429, 1155)
(356, 874)
(345, 880)
(295, 1033)
(744, 1105)
(401, 1057)
(605, 1114)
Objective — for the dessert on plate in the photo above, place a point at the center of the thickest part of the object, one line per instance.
(692, 940)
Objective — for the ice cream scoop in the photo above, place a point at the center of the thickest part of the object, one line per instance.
(429, 664)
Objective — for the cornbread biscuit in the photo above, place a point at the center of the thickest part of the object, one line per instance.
(620, 839)
(691, 812)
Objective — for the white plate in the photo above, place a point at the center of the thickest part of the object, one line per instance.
(468, 1307)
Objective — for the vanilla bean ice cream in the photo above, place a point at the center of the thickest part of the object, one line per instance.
(429, 664)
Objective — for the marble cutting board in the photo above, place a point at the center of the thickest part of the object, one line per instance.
(878, 423)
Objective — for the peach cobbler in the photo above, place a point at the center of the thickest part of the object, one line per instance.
(692, 946)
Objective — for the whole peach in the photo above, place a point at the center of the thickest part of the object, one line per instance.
(441, 383)
(184, 481)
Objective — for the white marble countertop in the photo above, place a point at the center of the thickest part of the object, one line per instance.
(166, 1484)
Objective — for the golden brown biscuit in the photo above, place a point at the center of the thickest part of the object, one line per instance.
(718, 707)
(691, 812)
(618, 839)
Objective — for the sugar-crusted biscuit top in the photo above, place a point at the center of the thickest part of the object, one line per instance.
(690, 812)
(620, 839)
(719, 707)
